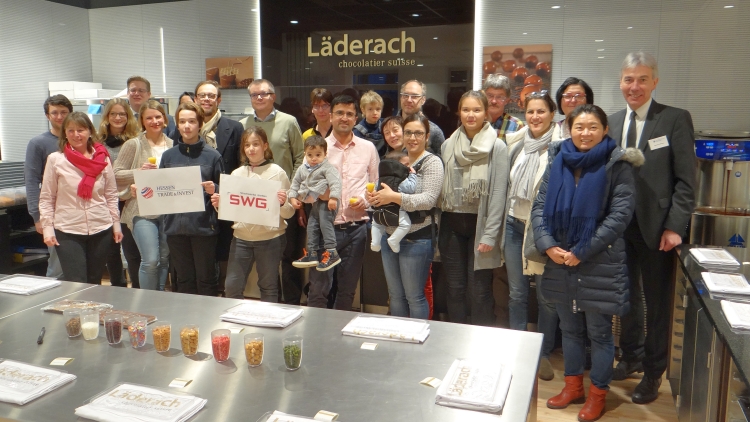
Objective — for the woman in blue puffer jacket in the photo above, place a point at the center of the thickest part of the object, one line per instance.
(585, 202)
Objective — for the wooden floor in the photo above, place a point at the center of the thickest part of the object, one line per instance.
(619, 406)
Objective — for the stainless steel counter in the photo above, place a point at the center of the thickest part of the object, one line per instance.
(336, 375)
(11, 304)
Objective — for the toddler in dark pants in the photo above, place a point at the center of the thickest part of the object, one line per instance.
(317, 182)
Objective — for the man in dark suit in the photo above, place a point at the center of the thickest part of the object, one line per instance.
(664, 202)
(225, 135)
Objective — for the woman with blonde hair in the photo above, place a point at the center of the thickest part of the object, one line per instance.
(144, 153)
(117, 126)
(78, 201)
(255, 243)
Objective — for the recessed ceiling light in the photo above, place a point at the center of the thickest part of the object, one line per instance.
(525, 33)
(434, 38)
(420, 65)
(253, 10)
(555, 7)
(598, 40)
(728, 7)
(630, 27)
(598, 49)
(294, 22)
(600, 57)
(415, 15)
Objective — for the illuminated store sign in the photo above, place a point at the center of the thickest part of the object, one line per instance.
(357, 47)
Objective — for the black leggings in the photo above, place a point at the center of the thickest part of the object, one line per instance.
(82, 256)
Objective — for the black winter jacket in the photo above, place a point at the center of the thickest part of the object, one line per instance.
(202, 223)
(600, 282)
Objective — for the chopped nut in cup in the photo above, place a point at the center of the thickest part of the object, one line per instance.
(254, 349)
(189, 340)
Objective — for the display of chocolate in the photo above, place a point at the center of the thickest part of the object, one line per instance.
(496, 56)
(509, 66)
(59, 307)
(489, 67)
(533, 80)
(531, 61)
(518, 53)
(520, 74)
(244, 83)
(212, 74)
(125, 315)
(543, 69)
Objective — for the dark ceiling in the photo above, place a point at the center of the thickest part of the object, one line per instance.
(333, 15)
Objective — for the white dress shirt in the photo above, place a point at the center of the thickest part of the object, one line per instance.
(640, 120)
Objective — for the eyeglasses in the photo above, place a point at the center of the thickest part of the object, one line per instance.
(137, 91)
(417, 134)
(113, 115)
(322, 107)
(57, 114)
(413, 97)
(206, 96)
(260, 95)
(500, 98)
(340, 114)
(576, 97)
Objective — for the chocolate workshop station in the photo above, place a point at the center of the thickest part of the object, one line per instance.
(175, 337)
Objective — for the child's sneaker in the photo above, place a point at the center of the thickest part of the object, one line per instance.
(307, 261)
(328, 260)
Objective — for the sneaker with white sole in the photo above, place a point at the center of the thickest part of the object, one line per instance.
(328, 260)
(307, 261)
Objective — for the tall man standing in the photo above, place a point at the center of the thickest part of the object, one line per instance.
(357, 161)
(139, 91)
(497, 89)
(412, 97)
(285, 140)
(56, 109)
(665, 200)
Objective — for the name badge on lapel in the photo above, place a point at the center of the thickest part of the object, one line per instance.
(657, 143)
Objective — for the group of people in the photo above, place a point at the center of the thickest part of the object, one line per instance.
(590, 207)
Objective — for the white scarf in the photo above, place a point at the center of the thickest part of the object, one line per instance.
(470, 180)
(523, 175)
(207, 131)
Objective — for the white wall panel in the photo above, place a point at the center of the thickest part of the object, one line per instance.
(41, 41)
(701, 48)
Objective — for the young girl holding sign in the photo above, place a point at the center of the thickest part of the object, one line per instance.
(252, 242)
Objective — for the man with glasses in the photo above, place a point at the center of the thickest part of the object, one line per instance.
(285, 140)
(497, 89)
(357, 161)
(139, 91)
(412, 96)
(56, 108)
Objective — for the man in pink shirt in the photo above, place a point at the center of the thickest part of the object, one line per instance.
(357, 161)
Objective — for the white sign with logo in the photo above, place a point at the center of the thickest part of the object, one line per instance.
(252, 201)
(169, 191)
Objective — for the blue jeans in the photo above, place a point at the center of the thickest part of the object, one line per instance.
(266, 254)
(54, 269)
(406, 274)
(599, 327)
(152, 244)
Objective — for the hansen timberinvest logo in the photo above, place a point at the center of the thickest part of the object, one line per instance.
(164, 191)
(147, 192)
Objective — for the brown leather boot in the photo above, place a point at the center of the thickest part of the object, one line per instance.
(571, 393)
(594, 407)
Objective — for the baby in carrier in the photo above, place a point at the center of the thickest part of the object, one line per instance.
(395, 172)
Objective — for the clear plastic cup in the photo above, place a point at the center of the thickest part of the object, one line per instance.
(189, 339)
(72, 318)
(90, 324)
(113, 328)
(162, 335)
(292, 352)
(220, 344)
(137, 331)
(254, 346)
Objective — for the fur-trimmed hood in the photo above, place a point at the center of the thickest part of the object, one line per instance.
(634, 156)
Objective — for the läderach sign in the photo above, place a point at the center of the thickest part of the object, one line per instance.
(358, 47)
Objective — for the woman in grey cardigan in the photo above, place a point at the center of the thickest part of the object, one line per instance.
(473, 204)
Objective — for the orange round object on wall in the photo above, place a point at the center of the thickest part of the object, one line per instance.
(509, 66)
(533, 80)
(518, 53)
(543, 69)
(489, 67)
(528, 89)
(520, 74)
(531, 61)
(496, 56)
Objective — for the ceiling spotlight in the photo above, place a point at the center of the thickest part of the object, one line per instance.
(415, 15)
(630, 27)
(555, 7)
(294, 22)
(253, 10)
(599, 40)
(599, 49)
(525, 33)
(728, 7)
(420, 65)
(434, 38)
(600, 57)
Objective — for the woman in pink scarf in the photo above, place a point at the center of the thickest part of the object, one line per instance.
(78, 201)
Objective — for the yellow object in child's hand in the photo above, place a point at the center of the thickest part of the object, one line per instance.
(152, 160)
(370, 187)
(353, 201)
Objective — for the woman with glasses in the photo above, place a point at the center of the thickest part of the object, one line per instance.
(117, 126)
(572, 93)
(528, 159)
(585, 202)
(320, 98)
(144, 152)
(406, 272)
(473, 204)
